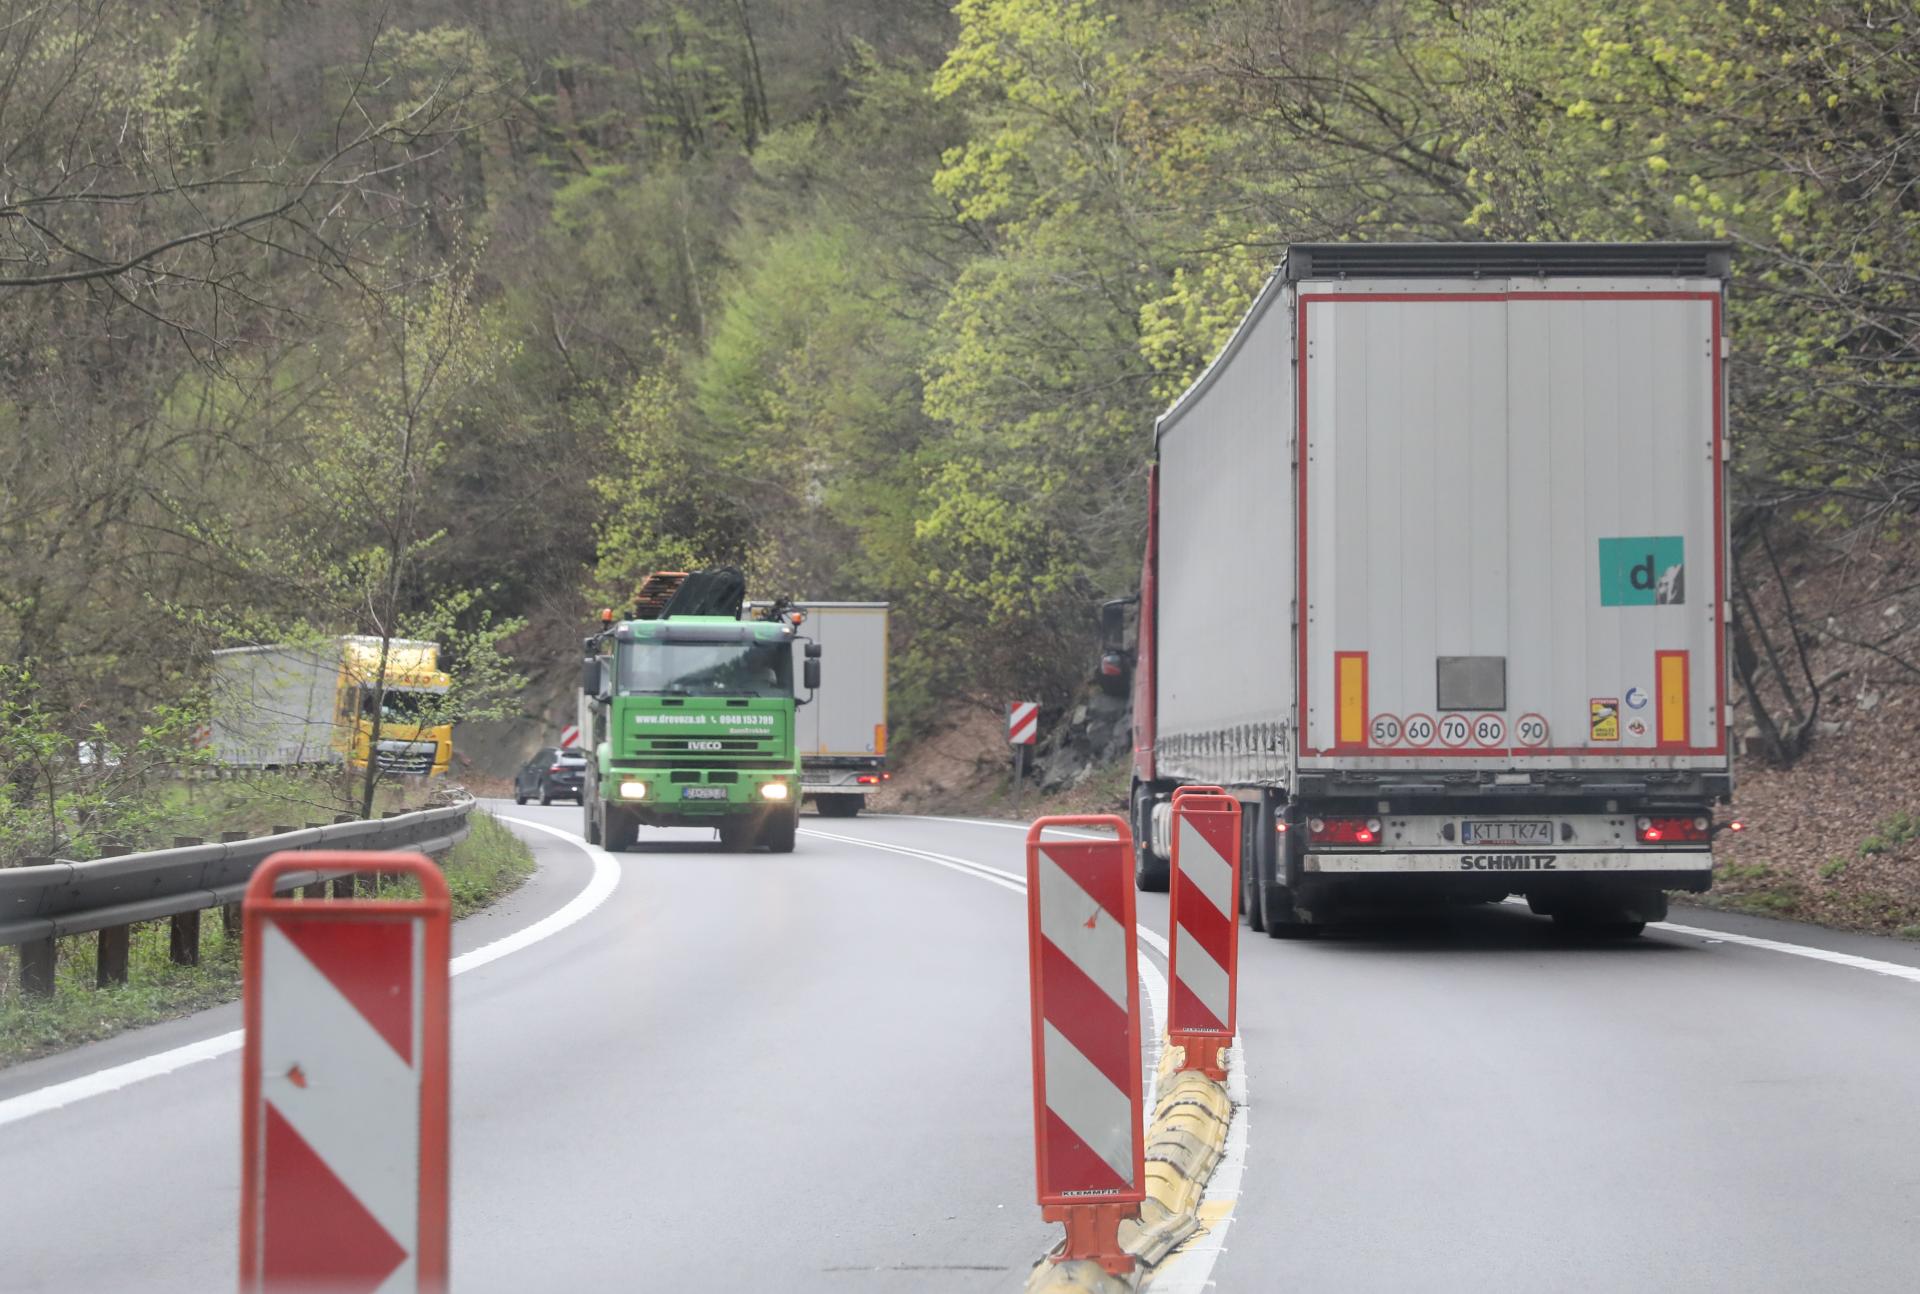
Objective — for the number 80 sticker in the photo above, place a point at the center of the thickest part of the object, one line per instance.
(1489, 730)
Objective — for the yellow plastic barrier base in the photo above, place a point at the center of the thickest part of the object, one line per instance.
(1184, 1143)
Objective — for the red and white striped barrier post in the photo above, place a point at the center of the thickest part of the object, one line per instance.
(1089, 1148)
(344, 1084)
(1203, 969)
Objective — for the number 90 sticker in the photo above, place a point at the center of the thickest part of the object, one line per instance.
(1530, 730)
(1454, 730)
(1386, 730)
(1489, 730)
(1418, 730)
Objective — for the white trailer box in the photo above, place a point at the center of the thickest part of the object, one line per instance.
(273, 707)
(841, 736)
(1445, 520)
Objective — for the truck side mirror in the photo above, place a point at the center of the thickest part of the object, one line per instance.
(810, 672)
(590, 676)
(1113, 623)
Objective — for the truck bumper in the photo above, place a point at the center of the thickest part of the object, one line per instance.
(1522, 871)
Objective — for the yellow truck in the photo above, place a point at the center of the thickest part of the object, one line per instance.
(303, 705)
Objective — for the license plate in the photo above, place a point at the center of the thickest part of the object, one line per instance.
(1506, 833)
(703, 792)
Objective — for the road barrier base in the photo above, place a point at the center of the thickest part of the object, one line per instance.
(1093, 1234)
(1205, 1054)
(1184, 1145)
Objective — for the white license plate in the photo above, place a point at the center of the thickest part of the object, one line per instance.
(703, 792)
(1506, 832)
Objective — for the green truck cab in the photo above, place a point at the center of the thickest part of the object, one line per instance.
(690, 723)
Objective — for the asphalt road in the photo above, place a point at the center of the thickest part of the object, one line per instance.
(810, 1073)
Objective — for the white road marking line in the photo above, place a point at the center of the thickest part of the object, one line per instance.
(1895, 969)
(991, 822)
(606, 876)
(1150, 976)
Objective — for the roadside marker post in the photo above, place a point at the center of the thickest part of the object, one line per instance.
(1204, 966)
(1023, 727)
(570, 736)
(344, 1083)
(1083, 958)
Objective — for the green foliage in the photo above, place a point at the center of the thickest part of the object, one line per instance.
(1890, 834)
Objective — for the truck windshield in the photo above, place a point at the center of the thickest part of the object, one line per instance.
(400, 706)
(707, 669)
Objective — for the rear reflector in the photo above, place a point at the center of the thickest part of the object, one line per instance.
(1344, 831)
(1672, 831)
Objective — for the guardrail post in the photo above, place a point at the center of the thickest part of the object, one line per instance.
(183, 935)
(39, 956)
(342, 885)
(318, 890)
(230, 912)
(110, 965)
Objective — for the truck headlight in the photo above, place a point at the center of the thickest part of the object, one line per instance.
(773, 790)
(633, 790)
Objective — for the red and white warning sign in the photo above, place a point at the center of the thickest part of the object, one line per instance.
(1088, 1143)
(344, 1123)
(1203, 978)
(570, 736)
(1023, 722)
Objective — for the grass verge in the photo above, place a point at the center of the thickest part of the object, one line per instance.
(489, 863)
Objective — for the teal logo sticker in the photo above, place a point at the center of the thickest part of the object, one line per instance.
(1643, 572)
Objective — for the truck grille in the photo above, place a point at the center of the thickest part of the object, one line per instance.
(393, 761)
(708, 745)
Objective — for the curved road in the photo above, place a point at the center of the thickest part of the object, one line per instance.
(811, 1073)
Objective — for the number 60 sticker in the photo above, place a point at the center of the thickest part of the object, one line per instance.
(1530, 730)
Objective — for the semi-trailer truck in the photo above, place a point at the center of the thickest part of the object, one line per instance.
(842, 733)
(295, 705)
(687, 714)
(1436, 583)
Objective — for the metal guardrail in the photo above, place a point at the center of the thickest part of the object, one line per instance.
(48, 901)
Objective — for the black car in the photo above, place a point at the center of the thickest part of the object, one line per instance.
(552, 774)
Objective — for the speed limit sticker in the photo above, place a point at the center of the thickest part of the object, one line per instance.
(1489, 730)
(1530, 730)
(1454, 730)
(1419, 730)
(1386, 730)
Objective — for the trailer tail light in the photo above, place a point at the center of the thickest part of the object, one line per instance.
(1672, 831)
(1344, 831)
(868, 779)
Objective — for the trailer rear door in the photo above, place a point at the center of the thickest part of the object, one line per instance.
(1512, 523)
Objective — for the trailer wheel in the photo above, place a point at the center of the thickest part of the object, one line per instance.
(1254, 840)
(1276, 907)
(1150, 873)
(838, 806)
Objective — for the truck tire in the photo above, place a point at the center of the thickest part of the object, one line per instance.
(738, 834)
(779, 831)
(1150, 872)
(1276, 906)
(1253, 863)
(590, 821)
(623, 829)
(838, 806)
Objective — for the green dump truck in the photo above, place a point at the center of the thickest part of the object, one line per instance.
(687, 712)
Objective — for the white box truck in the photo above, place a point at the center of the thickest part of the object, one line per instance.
(1436, 583)
(841, 736)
